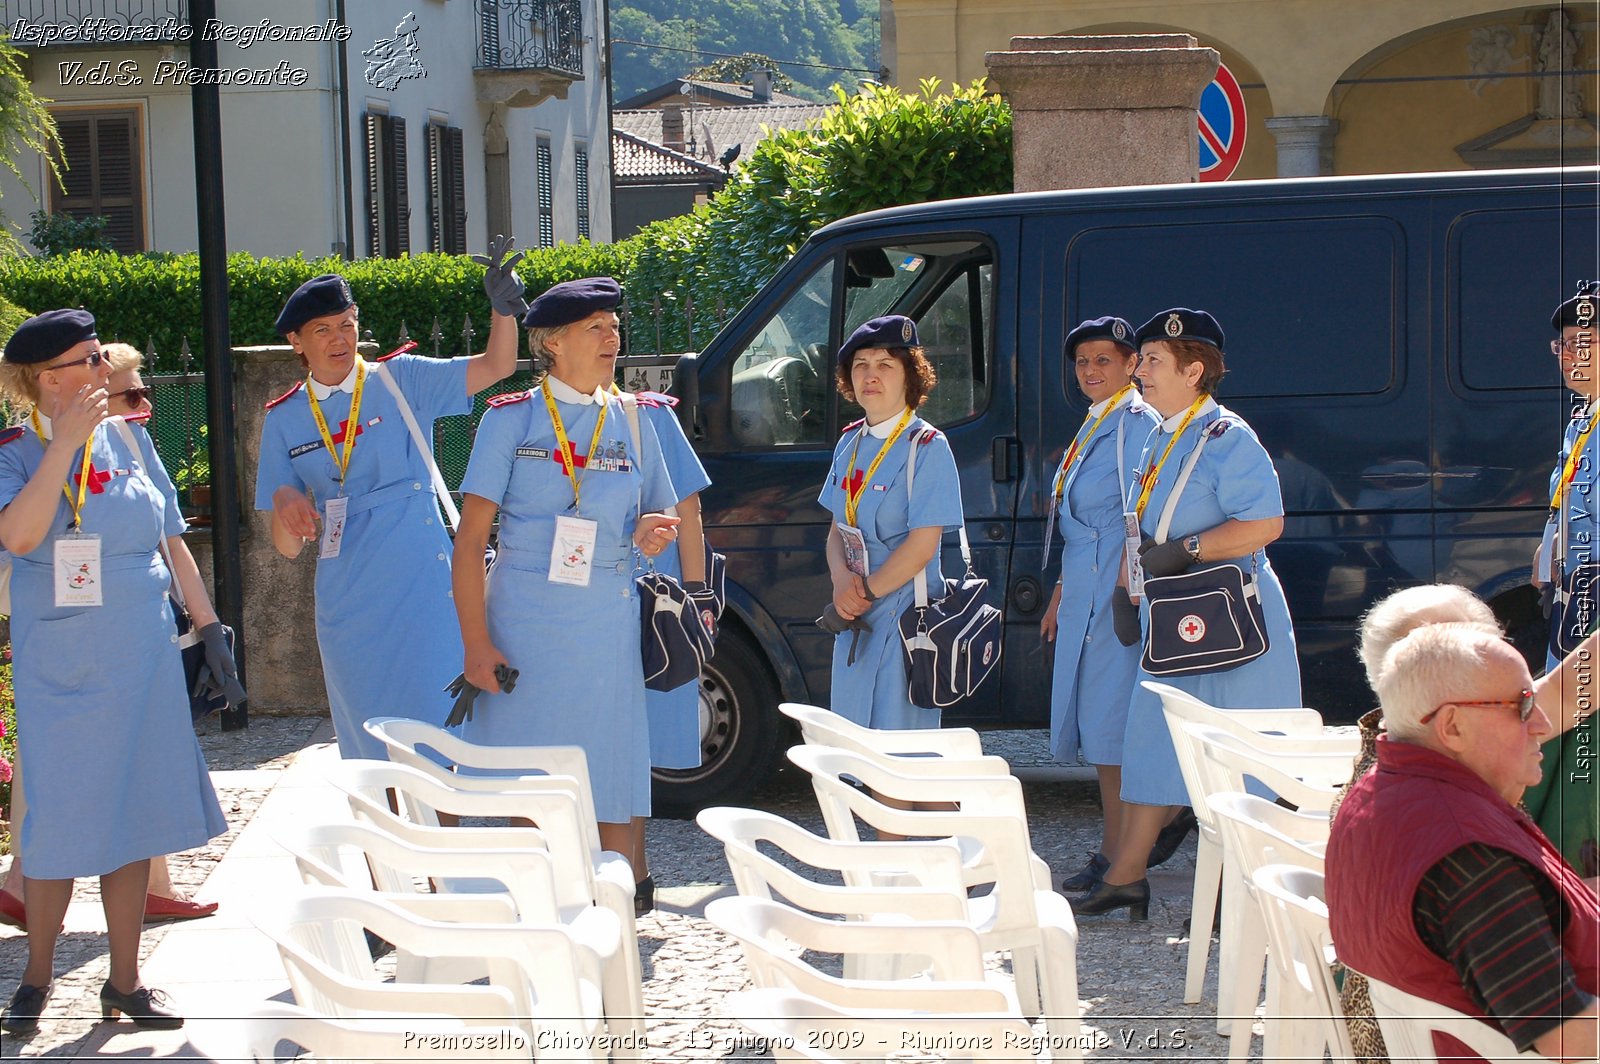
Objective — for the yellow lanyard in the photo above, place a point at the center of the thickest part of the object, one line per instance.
(1147, 482)
(852, 494)
(351, 425)
(1081, 442)
(1570, 470)
(83, 473)
(569, 460)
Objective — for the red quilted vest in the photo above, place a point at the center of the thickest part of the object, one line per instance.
(1398, 821)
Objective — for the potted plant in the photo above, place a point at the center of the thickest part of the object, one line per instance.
(193, 479)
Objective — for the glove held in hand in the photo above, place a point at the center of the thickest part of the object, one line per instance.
(223, 671)
(1124, 618)
(1164, 559)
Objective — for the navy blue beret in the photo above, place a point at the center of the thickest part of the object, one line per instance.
(1582, 310)
(1117, 330)
(317, 298)
(1181, 323)
(571, 301)
(44, 336)
(891, 330)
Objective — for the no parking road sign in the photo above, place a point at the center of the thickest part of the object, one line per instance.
(1222, 127)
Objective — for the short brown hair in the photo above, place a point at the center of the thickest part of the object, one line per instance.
(920, 375)
(1187, 352)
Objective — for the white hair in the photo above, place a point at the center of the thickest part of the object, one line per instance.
(1396, 616)
(1435, 664)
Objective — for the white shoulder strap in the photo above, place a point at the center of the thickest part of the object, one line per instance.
(440, 489)
(138, 452)
(1122, 468)
(921, 579)
(1183, 481)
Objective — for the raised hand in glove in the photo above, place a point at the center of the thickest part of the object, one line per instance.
(1124, 618)
(500, 278)
(1164, 559)
(220, 672)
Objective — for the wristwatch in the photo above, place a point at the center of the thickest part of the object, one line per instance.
(1192, 545)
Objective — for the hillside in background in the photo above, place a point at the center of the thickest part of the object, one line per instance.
(826, 33)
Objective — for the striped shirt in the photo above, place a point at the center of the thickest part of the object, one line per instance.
(1498, 921)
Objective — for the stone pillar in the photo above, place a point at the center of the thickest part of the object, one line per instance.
(1098, 111)
(496, 175)
(279, 595)
(1305, 144)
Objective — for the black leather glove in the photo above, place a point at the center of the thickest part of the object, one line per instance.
(465, 695)
(1547, 599)
(500, 280)
(1164, 559)
(220, 672)
(1124, 618)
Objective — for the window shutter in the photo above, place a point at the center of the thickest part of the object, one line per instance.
(456, 171)
(436, 240)
(400, 205)
(547, 227)
(103, 164)
(374, 192)
(580, 167)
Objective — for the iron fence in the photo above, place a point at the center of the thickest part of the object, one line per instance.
(531, 35)
(46, 23)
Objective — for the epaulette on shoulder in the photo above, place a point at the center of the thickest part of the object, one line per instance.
(927, 436)
(1219, 426)
(656, 399)
(853, 425)
(511, 397)
(11, 434)
(297, 386)
(402, 349)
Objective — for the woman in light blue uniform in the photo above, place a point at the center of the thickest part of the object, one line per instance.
(561, 605)
(881, 538)
(675, 715)
(1563, 803)
(115, 775)
(1093, 671)
(383, 572)
(1229, 511)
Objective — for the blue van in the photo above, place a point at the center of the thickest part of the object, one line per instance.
(1386, 339)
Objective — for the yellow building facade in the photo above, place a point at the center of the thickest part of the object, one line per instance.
(1330, 86)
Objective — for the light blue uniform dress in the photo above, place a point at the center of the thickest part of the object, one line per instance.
(873, 691)
(1234, 479)
(674, 715)
(1093, 671)
(386, 623)
(577, 648)
(115, 774)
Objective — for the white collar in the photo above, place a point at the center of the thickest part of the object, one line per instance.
(323, 391)
(883, 429)
(566, 393)
(44, 424)
(1171, 423)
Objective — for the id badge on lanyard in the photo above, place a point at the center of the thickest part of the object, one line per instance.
(335, 511)
(1130, 546)
(572, 552)
(855, 549)
(77, 570)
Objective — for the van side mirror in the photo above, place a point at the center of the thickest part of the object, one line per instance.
(686, 386)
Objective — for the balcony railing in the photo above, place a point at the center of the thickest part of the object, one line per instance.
(87, 23)
(534, 35)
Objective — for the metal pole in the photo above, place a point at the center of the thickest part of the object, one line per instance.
(344, 137)
(211, 221)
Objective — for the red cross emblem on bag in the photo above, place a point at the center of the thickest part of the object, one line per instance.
(1191, 629)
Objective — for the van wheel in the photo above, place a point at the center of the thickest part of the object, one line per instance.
(740, 732)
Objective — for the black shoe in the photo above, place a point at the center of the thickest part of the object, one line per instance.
(1087, 876)
(22, 1015)
(644, 896)
(1171, 837)
(1109, 897)
(146, 1007)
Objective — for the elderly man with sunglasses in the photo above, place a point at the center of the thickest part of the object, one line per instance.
(1437, 883)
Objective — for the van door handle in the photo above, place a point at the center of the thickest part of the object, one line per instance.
(1005, 458)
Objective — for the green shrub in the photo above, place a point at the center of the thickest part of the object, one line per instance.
(58, 234)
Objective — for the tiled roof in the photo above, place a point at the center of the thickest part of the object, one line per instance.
(715, 129)
(639, 162)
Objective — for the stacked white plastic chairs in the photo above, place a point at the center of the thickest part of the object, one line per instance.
(1302, 954)
(1409, 1022)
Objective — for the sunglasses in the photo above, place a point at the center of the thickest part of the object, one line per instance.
(91, 359)
(1572, 345)
(1524, 703)
(134, 396)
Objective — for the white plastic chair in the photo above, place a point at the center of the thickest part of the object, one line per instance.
(774, 938)
(800, 1027)
(1021, 912)
(1256, 833)
(578, 881)
(1408, 1023)
(542, 978)
(1302, 951)
(257, 1036)
(823, 727)
(1179, 707)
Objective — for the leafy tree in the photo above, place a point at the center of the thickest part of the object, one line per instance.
(25, 125)
(737, 69)
(58, 234)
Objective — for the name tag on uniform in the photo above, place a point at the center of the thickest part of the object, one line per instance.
(77, 570)
(1130, 546)
(855, 549)
(335, 511)
(572, 553)
(540, 453)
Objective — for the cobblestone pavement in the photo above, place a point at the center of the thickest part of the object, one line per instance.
(1130, 974)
